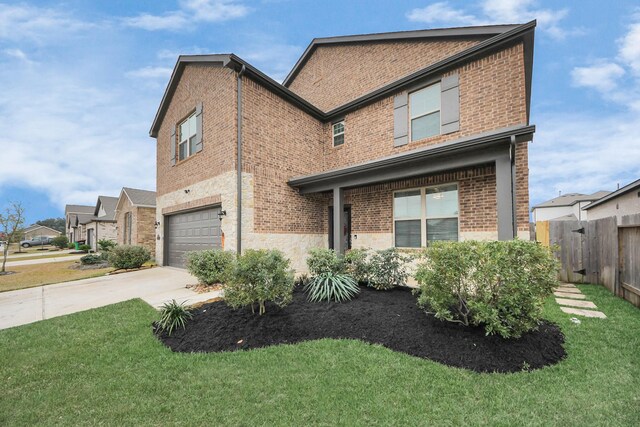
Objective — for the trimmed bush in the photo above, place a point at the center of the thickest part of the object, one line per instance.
(260, 276)
(388, 269)
(322, 261)
(60, 242)
(330, 286)
(106, 245)
(357, 265)
(84, 248)
(71, 246)
(91, 259)
(173, 315)
(499, 285)
(126, 257)
(211, 266)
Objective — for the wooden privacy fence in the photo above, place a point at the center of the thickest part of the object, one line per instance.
(602, 251)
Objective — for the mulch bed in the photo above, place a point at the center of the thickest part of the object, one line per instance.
(390, 318)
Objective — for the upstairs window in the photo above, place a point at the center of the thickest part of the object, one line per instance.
(187, 144)
(424, 107)
(338, 133)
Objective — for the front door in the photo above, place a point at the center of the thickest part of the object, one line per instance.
(346, 232)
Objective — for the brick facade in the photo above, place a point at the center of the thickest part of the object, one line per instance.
(337, 74)
(142, 231)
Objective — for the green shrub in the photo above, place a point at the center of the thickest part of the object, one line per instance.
(60, 242)
(71, 246)
(357, 265)
(331, 286)
(260, 276)
(211, 266)
(84, 248)
(499, 285)
(388, 269)
(322, 261)
(106, 245)
(91, 259)
(173, 315)
(127, 257)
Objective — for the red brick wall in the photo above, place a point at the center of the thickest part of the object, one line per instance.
(215, 87)
(337, 74)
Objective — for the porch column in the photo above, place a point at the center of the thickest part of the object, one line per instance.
(338, 220)
(504, 197)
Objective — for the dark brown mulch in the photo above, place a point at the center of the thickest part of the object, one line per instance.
(390, 318)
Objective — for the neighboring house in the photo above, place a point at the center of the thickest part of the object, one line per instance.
(74, 215)
(565, 207)
(36, 230)
(624, 201)
(391, 139)
(136, 217)
(102, 224)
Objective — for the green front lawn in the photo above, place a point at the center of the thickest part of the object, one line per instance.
(104, 366)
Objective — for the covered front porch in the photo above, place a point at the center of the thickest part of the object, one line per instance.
(458, 190)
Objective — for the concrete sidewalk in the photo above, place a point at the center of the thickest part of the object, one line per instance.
(155, 286)
(15, 257)
(44, 260)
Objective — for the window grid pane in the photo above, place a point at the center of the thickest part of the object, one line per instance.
(425, 100)
(425, 126)
(408, 234)
(406, 204)
(442, 201)
(442, 229)
(338, 140)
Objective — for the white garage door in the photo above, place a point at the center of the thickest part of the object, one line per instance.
(192, 231)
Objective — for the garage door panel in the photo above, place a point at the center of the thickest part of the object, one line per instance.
(192, 231)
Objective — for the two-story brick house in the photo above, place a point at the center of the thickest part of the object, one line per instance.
(381, 140)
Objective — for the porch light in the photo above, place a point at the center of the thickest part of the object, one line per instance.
(156, 224)
(221, 215)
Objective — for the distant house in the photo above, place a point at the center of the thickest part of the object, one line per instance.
(624, 201)
(102, 224)
(36, 230)
(74, 215)
(136, 217)
(565, 207)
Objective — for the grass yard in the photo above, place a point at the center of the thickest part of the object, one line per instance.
(28, 276)
(105, 367)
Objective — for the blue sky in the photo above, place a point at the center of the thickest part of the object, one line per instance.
(80, 82)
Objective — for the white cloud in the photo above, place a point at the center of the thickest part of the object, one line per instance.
(581, 153)
(442, 12)
(20, 22)
(496, 12)
(602, 76)
(629, 52)
(18, 54)
(169, 21)
(191, 11)
(151, 73)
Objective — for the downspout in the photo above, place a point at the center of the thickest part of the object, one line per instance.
(512, 157)
(239, 172)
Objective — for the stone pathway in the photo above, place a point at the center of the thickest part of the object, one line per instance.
(573, 301)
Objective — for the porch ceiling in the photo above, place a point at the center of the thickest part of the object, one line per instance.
(463, 152)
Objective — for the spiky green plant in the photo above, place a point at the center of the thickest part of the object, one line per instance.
(331, 286)
(172, 315)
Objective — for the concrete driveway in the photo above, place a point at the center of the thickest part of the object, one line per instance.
(155, 286)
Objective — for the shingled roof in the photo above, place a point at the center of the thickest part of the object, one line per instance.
(138, 197)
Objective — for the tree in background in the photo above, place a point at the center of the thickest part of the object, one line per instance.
(11, 221)
(55, 223)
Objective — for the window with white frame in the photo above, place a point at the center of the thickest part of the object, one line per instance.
(187, 144)
(338, 133)
(424, 108)
(425, 215)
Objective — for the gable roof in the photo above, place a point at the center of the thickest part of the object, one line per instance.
(570, 199)
(457, 32)
(144, 198)
(509, 33)
(78, 209)
(624, 190)
(109, 206)
(34, 227)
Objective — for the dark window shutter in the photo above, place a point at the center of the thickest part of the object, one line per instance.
(173, 146)
(400, 119)
(450, 107)
(199, 127)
